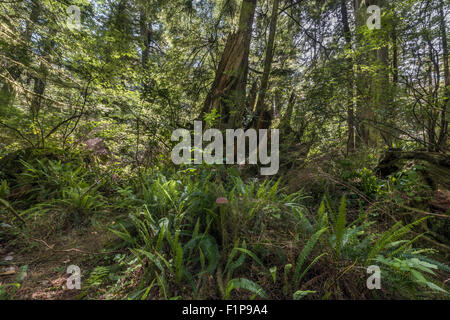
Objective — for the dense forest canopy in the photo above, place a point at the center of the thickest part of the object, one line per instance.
(91, 93)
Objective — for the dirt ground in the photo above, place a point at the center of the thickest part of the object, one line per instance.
(46, 263)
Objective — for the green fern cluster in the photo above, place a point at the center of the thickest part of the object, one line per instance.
(391, 250)
(186, 243)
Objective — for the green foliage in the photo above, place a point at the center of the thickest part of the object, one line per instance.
(304, 255)
(409, 276)
(180, 232)
(49, 178)
(98, 276)
(389, 237)
(355, 241)
(410, 182)
(8, 291)
(340, 226)
(368, 182)
(81, 199)
(4, 189)
(138, 70)
(298, 295)
(54, 185)
(211, 117)
(246, 284)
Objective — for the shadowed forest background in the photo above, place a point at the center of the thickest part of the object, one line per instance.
(86, 177)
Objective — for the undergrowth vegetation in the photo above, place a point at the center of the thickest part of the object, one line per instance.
(210, 232)
(101, 101)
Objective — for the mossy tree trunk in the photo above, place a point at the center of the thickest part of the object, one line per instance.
(374, 98)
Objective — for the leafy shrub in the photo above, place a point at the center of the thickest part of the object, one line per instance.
(65, 187)
(410, 182)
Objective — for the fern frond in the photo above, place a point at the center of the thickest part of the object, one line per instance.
(340, 225)
(306, 251)
(396, 232)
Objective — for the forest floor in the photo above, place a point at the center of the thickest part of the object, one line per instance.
(273, 226)
(42, 268)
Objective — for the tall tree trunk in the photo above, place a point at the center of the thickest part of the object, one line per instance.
(252, 96)
(146, 33)
(361, 77)
(261, 108)
(431, 123)
(394, 54)
(228, 91)
(350, 81)
(285, 123)
(384, 94)
(433, 96)
(40, 82)
(7, 90)
(373, 87)
(443, 135)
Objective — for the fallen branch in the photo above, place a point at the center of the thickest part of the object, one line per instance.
(424, 212)
(51, 247)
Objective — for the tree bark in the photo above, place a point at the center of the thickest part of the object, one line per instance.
(362, 78)
(146, 31)
(373, 87)
(264, 123)
(350, 109)
(7, 91)
(285, 123)
(228, 91)
(443, 135)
